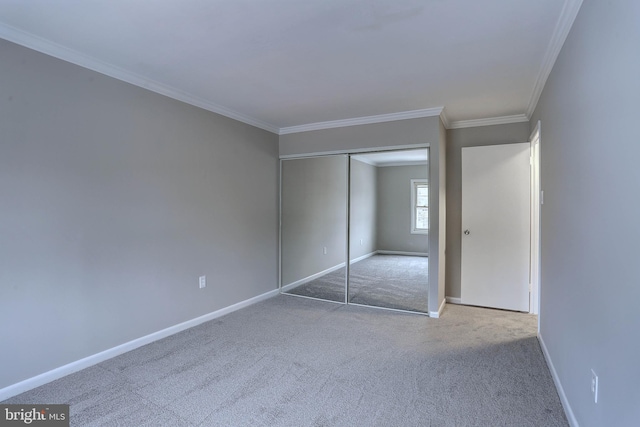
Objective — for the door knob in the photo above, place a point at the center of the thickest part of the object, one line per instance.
(467, 232)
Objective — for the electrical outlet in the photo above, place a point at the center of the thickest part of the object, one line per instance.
(203, 281)
(324, 250)
(594, 386)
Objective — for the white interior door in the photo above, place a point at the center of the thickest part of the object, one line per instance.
(496, 226)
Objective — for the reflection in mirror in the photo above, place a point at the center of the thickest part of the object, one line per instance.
(314, 227)
(388, 230)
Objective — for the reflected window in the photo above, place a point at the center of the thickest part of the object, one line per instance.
(419, 206)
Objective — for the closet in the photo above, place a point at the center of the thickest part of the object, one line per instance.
(354, 229)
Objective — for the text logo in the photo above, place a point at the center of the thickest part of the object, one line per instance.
(34, 415)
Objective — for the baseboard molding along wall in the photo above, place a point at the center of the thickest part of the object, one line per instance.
(454, 300)
(437, 314)
(365, 256)
(563, 397)
(383, 252)
(314, 276)
(304, 280)
(88, 361)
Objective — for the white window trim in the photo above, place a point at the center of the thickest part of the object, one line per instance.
(414, 182)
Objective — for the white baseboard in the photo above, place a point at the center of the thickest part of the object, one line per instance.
(360, 258)
(88, 361)
(437, 314)
(304, 280)
(454, 300)
(563, 397)
(381, 252)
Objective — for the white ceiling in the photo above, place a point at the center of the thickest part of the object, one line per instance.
(291, 65)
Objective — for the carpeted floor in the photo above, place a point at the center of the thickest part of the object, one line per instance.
(298, 362)
(392, 281)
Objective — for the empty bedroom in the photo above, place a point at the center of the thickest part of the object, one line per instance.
(319, 213)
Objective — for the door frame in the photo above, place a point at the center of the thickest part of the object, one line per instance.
(536, 201)
(348, 154)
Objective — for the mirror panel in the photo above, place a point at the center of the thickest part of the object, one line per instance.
(388, 230)
(314, 227)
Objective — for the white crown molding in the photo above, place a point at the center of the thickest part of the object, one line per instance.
(518, 118)
(50, 48)
(403, 115)
(563, 26)
(445, 119)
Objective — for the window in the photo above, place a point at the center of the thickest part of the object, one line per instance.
(419, 206)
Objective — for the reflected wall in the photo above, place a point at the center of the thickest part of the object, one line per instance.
(314, 227)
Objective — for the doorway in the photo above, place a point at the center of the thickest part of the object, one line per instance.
(534, 307)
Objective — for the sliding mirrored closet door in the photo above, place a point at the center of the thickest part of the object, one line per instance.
(388, 230)
(314, 227)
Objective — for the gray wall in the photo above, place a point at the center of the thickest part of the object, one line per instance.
(456, 139)
(394, 209)
(363, 209)
(590, 228)
(314, 215)
(114, 200)
(396, 134)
